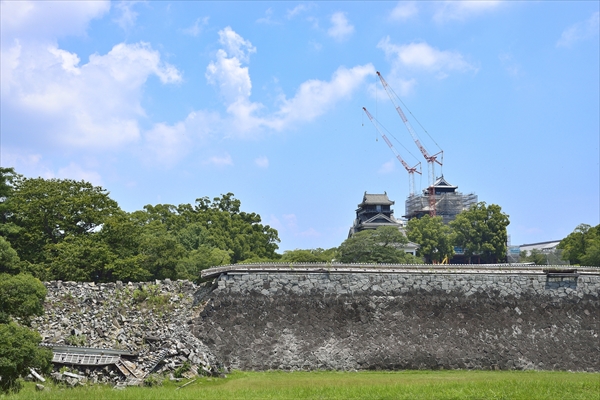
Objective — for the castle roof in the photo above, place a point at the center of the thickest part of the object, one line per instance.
(441, 182)
(381, 199)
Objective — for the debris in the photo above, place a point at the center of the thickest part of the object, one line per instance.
(37, 376)
(126, 336)
(185, 384)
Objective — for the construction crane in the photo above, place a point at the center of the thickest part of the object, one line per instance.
(411, 170)
(431, 159)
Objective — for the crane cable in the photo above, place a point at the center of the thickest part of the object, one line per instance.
(410, 112)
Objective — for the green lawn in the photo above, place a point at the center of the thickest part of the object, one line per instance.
(351, 385)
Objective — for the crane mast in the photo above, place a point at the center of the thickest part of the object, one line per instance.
(411, 170)
(431, 159)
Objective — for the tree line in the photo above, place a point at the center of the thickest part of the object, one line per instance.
(72, 230)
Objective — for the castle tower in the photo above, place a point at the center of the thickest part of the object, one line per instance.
(448, 202)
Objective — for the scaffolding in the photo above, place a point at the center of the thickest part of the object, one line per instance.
(448, 202)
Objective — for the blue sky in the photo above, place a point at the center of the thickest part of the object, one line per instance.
(166, 102)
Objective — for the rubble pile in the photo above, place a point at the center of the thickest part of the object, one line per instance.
(149, 321)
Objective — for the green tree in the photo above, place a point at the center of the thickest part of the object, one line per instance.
(433, 237)
(81, 258)
(9, 259)
(230, 229)
(7, 179)
(199, 259)
(47, 211)
(21, 296)
(535, 256)
(582, 246)
(309, 255)
(19, 351)
(161, 251)
(481, 231)
(382, 245)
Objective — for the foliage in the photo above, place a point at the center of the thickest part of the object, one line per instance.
(311, 255)
(47, 211)
(382, 245)
(153, 380)
(9, 259)
(76, 340)
(481, 231)
(19, 351)
(7, 178)
(534, 256)
(69, 230)
(80, 258)
(151, 295)
(582, 246)
(179, 371)
(21, 296)
(199, 259)
(433, 237)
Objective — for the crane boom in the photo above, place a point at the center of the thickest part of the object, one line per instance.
(411, 170)
(431, 159)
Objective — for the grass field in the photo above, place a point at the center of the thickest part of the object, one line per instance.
(349, 385)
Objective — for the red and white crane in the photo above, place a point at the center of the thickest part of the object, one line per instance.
(411, 170)
(431, 159)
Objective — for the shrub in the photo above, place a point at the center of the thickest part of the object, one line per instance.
(19, 351)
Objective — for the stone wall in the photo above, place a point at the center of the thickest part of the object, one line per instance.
(492, 318)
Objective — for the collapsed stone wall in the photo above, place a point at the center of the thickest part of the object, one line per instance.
(150, 319)
(346, 321)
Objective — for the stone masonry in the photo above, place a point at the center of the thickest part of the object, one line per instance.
(401, 317)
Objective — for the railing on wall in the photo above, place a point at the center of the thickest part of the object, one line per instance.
(390, 268)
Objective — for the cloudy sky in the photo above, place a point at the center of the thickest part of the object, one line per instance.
(166, 102)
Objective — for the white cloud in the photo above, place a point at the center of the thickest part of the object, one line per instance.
(128, 16)
(580, 31)
(461, 10)
(268, 18)
(262, 162)
(30, 20)
(95, 105)
(316, 46)
(289, 224)
(197, 28)
(220, 161)
(404, 10)
(313, 98)
(388, 167)
(299, 9)
(310, 232)
(33, 165)
(76, 172)
(421, 56)
(290, 221)
(25, 163)
(232, 79)
(166, 144)
(235, 45)
(402, 87)
(509, 64)
(341, 28)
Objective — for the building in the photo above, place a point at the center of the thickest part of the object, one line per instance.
(375, 211)
(549, 250)
(448, 202)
